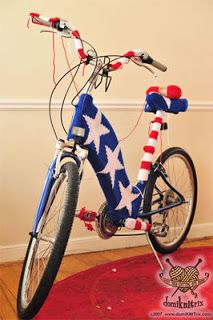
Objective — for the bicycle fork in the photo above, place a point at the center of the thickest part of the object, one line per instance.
(66, 151)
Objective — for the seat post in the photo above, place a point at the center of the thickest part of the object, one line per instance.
(150, 147)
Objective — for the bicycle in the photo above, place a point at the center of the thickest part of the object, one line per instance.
(161, 204)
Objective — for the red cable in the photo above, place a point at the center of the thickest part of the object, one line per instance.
(83, 69)
(66, 57)
(53, 44)
(149, 129)
(161, 146)
(135, 126)
(28, 23)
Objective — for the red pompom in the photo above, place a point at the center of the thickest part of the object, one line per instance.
(173, 92)
(152, 89)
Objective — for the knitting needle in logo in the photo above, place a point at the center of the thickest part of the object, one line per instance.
(184, 279)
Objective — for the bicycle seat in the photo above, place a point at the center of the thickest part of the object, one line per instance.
(155, 101)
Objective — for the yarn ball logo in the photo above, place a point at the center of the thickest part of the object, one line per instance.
(184, 279)
(185, 294)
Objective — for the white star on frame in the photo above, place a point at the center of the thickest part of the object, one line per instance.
(127, 197)
(113, 163)
(96, 130)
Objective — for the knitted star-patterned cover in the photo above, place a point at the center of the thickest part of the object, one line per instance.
(105, 156)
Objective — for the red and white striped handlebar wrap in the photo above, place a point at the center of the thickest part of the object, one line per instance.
(133, 54)
(66, 28)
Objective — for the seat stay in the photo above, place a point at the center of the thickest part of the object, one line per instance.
(180, 201)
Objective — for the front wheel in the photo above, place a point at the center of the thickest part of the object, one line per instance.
(46, 248)
(179, 170)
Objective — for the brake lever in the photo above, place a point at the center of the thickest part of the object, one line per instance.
(141, 64)
(65, 35)
(150, 70)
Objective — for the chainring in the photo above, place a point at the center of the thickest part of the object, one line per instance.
(104, 225)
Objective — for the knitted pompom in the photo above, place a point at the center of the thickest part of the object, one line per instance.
(173, 92)
(152, 89)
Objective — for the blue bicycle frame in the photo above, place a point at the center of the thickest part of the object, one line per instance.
(104, 154)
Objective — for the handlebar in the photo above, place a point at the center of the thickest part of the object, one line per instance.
(43, 21)
(64, 28)
(138, 56)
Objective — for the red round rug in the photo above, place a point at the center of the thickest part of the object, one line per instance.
(132, 289)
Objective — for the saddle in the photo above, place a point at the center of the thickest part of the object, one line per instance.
(167, 99)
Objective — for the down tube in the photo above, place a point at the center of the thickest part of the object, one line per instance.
(105, 156)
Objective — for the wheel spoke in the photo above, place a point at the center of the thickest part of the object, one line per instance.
(42, 246)
(47, 239)
(46, 249)
(180, 176)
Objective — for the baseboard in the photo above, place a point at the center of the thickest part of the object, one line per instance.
(201, 230)
(76, 245)
(12, 252)
(94, 243)
(39, 105)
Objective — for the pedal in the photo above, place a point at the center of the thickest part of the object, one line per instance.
(159, 229)
(87, 216)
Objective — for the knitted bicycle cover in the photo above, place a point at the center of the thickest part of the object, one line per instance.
(105, 156)
(156, 101)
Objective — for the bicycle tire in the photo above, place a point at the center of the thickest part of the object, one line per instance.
(28, 306)
(169, 154)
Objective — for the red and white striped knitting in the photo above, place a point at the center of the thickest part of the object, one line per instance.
(48, 22)
(149, 149)
(146, 162)
(171, 91)
(135, 54)
(136, 224)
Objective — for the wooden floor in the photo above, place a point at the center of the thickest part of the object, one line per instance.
(10, 272)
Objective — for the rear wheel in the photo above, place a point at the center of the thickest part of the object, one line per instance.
(175, 223)
(46, 249)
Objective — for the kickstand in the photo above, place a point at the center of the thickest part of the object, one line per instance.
(155, 253)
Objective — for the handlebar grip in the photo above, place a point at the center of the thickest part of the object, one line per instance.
(159, 65)
(146, 58)
(44, 21)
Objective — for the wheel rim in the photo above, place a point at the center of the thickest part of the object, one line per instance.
(41, 246)
(180, 176)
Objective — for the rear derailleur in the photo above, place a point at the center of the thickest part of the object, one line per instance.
(159, 229)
